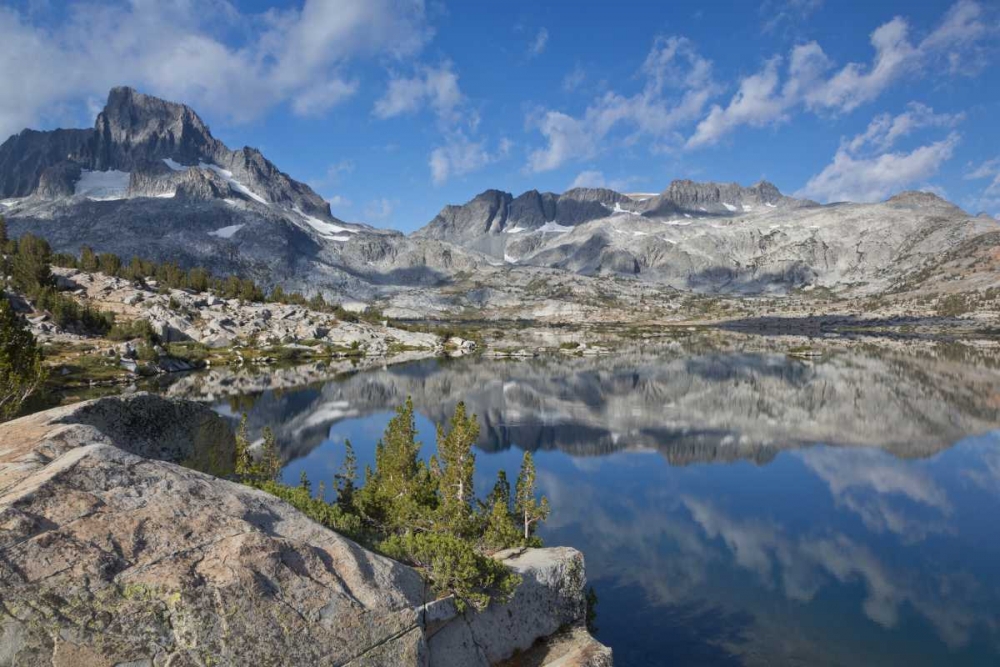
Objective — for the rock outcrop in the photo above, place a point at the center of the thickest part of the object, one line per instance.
(112, 554)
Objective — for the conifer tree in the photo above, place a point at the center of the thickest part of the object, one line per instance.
(3, 232)
(20, 361)
(529, 510)
(244, 462)
(500, 531)
(457, 464)
(88, 260)
(270, 460)
(31, 265)
(343, 481)
(400, 490)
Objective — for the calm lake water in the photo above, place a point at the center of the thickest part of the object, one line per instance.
(735, 508)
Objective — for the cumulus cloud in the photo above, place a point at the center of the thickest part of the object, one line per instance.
(864, 169)
(785, 15)
(677, 85)
(538, 45)
(177, 49)
(574, 79)
(459, 156)
(436, 87)
(886, 129)
(990, 197)
(811, 80)
(380, 210)
(588, 179)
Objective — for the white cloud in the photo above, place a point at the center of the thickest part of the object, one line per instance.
(436, 87)
(379, 210)
(175, 49)
(678, 84)
(786, 14)
(886, 129)
(339, 201)
(987, 170)
(868, 179)
(574, 79)
(460, 155)
(589, 179)
(990, 197)
(765, 99)
(538, 45)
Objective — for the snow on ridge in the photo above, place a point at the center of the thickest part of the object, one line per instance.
(618, 209)
(227, 232)
(233, 183)
(326, 229)
(554, 228)
(102, 185)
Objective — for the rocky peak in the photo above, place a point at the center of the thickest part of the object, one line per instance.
(918, 199)
(134, 129)
(689, 194)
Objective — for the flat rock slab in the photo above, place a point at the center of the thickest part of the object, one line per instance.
(110, 558)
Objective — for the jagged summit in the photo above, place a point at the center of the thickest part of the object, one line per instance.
(143, 146)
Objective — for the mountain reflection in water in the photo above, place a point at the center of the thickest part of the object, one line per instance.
(735, 508)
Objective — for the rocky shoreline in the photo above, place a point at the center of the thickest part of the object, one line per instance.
(114, 554)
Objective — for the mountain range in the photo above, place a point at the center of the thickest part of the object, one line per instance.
(149, 179)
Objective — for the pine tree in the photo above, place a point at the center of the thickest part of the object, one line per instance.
(270, 459)
(304, 482)
(3, 232)
(31, 265)
(21, 369)
(400, 491)
(88, 260)
(244, 462)
(343, 481)
(500, 531)
(458, 463)
(529, 511)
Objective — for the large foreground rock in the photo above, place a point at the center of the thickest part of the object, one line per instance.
(111, 554)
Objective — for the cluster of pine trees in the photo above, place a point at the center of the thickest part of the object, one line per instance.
(422, 513)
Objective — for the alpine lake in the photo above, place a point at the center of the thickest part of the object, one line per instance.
(739, 499)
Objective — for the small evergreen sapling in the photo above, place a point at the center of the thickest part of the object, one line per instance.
(529, 510)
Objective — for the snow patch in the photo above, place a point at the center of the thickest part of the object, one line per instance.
(226, 232)
(687, 215)
(554, 228)
(618, 209)
(510, 259)
(166, 195)
(102, 185)
(327, 229)
(233, 183)
(176, 166)
(770, 205)
(747, 209)
(729, 207)
(679, 223)
(517, 229)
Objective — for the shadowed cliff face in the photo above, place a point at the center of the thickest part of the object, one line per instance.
(704, 406)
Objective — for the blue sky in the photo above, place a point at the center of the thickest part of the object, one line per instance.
(392, 109)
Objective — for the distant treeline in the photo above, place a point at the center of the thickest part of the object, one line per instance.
(28, 261)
